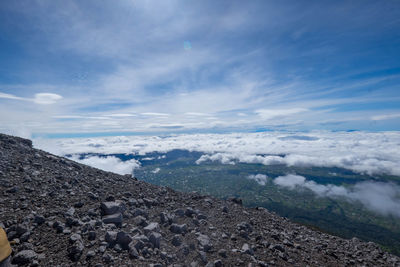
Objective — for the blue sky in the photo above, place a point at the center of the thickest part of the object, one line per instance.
(92, 67)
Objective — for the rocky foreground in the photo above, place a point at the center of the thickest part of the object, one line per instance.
(57, 212)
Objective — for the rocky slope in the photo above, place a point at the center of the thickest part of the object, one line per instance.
(61, 213)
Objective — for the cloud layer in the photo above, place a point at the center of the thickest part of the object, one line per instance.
(363, 152)
(383, 198)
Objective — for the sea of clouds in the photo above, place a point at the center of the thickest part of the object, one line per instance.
(362, 152)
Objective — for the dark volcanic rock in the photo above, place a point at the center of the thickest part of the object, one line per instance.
(24, 257)
(61, 213)
(108, 208)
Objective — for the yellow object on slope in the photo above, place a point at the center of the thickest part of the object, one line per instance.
(5, 248)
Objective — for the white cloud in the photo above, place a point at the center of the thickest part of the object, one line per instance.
(221, 157)
(155, 114)
(383, 198)
(385, 117)
(268, 114)
(156, 170)
(109, 163)
(261, 179)
(290, 180)
(10, 96)
(46, 98)
(39, 98)
(121, 115)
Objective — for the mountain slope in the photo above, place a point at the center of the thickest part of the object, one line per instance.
(59, 212)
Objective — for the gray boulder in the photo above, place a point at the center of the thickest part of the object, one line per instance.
(112, 207)
(178, 228)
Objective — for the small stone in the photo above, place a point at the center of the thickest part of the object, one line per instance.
(13, 190)
(201, 216)
(20, 229)
(75, 237)
(78, 205)
(25, 236)
(165, 218)
(246, 249)
(222, 253)
(107, 258)
(133, 253)
(90, 254)
(218, 263)
(24, 257)
(155, 239)
(92, 196)
(39, 219)
(102, 249)
(139, 212)
(180, 212)
(139, 245)
(176, 240)
(279, 247)
(118, 248)
(92, 235)
(140, 220)
(189, 212)
(113, 218)
(152, 227)
(111, 237)
(203, 257)
(75, 251)
(178, 228)
(204, 242)
(123, 239)
(70, 212)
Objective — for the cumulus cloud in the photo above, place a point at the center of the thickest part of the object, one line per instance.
(383, 198)
(221, 157)
(156, 170)
(362, 152)
(261, 179)
(290, 180)
(109, 163)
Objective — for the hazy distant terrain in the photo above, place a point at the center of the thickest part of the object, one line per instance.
(336, 214)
